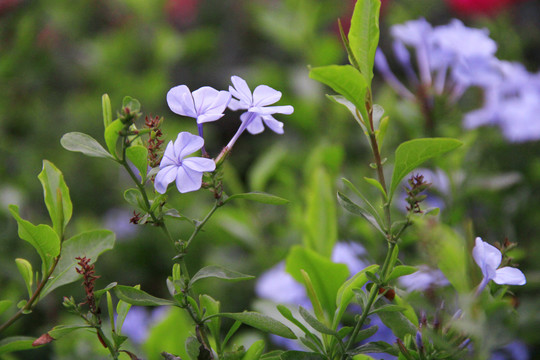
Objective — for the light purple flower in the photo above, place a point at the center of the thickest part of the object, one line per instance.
(257, 108)
(187, 172)
(425, 278)
(489, 258)
(205, 104)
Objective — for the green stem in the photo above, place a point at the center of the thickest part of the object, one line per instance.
(199, 225)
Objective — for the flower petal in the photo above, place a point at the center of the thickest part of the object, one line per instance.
(273, 124)
(164, 177)
(241, 90)
(199, 164)
(188, 180)
(209, 117)
(509, 276)
(268, 110)
(169, 156)
(237, 105)
(187, 144)
(180, 101)
(210, 101)
(487, 257)
(255, 126)
(264, 95)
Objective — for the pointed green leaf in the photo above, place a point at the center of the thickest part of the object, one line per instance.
(399, 324)
(301, 355)
(388, 308)
(412, 153)
(377, 184)
(316, 324)
(134, 198)
(259, 197)
(255, 351)
(345, 80)
(287, 314)
(401, 270)
(261, 322)
(366, 333)
(90, 244)
(42, 237)
(376, 347)
(56, 194)
(138, 297)
(4, 305)
(25, 268)
(138, 155)
(76, 141)
(348, 205)
(345, 292)
(320, 228)
(326, 276)
(62, 330)
(107, 110)
(219, 272)
(364, 35)
(112, 133)
(16, 343)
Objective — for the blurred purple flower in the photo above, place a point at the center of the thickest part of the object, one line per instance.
(516, 350)
(139, 320)
(425, 278)
(489, 258)
(117, 220)
(256, 106)
(277, 285)
(187, 172)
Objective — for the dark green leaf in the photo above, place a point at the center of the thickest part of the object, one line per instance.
(16, 343)
(366, 333)
(90, 244)
(56, 194)
(262, 322)
(398, 323)
(272, 355)
(138, 297)
(348, 205)
(316, 324)
(42, 237)
(301, 355)
(376, 347)
(219, 272)
(259, 197)
(76, 141)
(412, 153)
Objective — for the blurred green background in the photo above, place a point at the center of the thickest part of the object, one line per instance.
(57, 57)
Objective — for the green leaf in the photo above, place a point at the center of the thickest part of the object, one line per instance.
(259, 197)
(345, 80)
(326, 276)
(56, 194)
(255, 351)
(401, 270)
(192, 348)
(107, 110)
(219, 272)
(301, 355)
(320, 228)
(42, 237)
(316, 324)
(134, 198)
(25, 268)
(388, 308)
(138, 297)
(377, 184)
(350, 106)
(412, 153)
(212, 307)
(62, 330)
(366, 333)
(133, 104)
(16, 343)
(376, 347)
(112, 133)
(351, 207)
(4, 305)
(122, 309)
(138, 155)
(287, 314)
(266, 166)
(261, 322)
(364, 35)
(345, 293)
(90, 244)
(76, 141)
(398, 323)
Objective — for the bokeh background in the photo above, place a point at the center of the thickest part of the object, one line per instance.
(57, 57)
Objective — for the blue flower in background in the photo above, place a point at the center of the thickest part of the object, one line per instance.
(425, 278)
(187, 172)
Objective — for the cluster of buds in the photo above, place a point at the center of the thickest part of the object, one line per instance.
(416, 186)
(154, 142)
(429, 335)
(89, 278)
